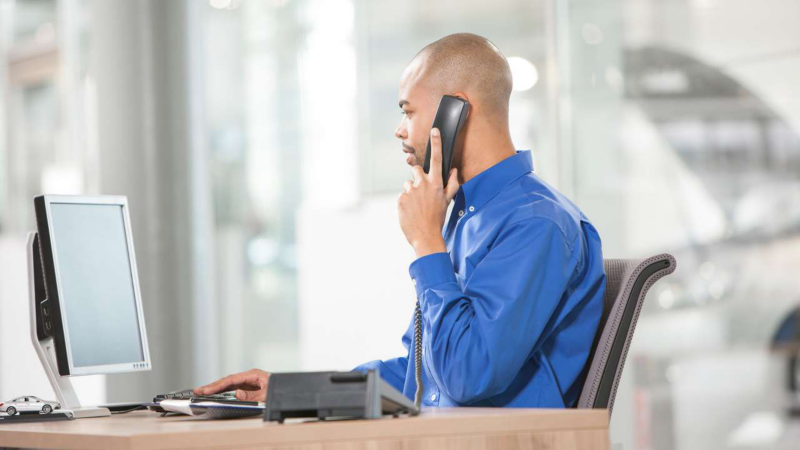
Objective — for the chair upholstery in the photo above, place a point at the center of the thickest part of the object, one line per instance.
(627, 283)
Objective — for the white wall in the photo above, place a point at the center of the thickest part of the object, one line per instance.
(21, 373)
(355, 295)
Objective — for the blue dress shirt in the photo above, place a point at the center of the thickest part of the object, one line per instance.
(509, 313)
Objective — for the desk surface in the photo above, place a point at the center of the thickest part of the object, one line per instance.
(436, 428)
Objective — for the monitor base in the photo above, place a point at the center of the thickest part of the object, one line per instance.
(46, 351)
(85, 412)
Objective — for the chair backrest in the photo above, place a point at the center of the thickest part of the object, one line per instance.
(627, 283)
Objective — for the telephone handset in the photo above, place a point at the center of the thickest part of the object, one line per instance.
(449, 119)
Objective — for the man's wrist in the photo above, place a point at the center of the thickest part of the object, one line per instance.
(429, 246)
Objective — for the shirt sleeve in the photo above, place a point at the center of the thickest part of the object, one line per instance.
(477, 339)
(393, 371)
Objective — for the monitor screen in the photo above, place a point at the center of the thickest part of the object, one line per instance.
(97, 293)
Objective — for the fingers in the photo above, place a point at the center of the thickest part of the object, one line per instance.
(452, 185)
(408, 185)
(220, 385)
(252, 396)
(254, 378)
(419, 174)
(255, 395)
(434, 174)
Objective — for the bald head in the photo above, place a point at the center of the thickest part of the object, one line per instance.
(468, 63)
(468, 66)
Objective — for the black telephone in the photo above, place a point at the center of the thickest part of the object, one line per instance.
(449, 119)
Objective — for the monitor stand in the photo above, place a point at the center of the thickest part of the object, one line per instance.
(45, 348)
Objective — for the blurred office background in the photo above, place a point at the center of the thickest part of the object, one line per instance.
(254, 140)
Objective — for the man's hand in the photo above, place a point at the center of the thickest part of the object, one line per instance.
(249, 386)
(423, 205)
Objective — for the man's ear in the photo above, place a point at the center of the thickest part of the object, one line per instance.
(460, 95)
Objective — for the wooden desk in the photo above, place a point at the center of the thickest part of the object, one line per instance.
(443, 428)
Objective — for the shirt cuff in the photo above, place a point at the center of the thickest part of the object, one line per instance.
(431, 270)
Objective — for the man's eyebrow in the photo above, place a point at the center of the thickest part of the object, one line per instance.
(403, 102)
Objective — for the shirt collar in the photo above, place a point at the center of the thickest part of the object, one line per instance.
(487, 184)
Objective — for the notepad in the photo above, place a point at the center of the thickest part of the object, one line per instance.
(212, 410)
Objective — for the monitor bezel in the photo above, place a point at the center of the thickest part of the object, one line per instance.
(121, 201)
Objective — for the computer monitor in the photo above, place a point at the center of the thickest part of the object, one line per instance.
(85, 303)
(90, 304)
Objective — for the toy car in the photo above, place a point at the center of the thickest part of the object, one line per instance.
(28, 403)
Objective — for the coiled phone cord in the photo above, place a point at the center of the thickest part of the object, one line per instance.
(418, 355)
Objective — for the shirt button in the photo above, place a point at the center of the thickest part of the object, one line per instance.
(433, 397)
(461, 213)
(471, 208)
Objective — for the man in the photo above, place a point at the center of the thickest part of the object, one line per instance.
(511, 289)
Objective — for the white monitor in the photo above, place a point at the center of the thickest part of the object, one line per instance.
(86, 298)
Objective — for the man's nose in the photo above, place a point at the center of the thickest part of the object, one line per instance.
(400, 132)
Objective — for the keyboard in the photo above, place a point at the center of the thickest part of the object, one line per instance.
(228, 397)
(188, 394)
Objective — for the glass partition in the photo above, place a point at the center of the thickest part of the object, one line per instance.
(300, 115)
(683, 130)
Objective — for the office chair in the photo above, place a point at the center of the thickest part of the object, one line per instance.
(627, 283)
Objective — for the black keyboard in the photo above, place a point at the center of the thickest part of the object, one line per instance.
(223, 397)
(188, 394)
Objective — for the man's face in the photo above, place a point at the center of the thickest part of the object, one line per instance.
(418, 105)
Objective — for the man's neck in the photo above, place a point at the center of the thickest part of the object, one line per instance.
(483, 149)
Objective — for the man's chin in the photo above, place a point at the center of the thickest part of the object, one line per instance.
(411, 160)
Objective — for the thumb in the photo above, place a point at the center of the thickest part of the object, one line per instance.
(452, 185)
(249, 396)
